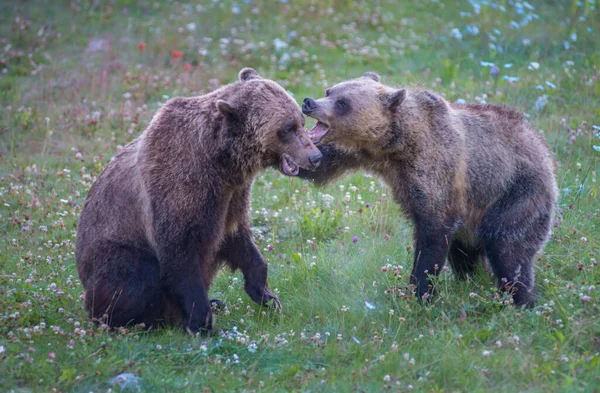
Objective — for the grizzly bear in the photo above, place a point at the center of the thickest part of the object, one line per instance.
(475, 180)
(174, 204)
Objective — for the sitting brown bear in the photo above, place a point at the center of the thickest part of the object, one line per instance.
(174, 203)
(475, 179)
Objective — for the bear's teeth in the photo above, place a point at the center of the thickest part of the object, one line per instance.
(288, 166)
(292, 166)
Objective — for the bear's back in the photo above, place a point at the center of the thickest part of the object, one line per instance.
(500, 146)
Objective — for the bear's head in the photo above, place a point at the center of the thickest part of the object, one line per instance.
(354, 112)
(263, 111)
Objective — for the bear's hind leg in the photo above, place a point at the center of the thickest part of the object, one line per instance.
(513, 230)
(184, 276)
(463, 259)
(125, 289)
(513, 270)
(189, 293)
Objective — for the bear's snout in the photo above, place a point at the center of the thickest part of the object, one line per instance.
(315, 159)
(308, 105)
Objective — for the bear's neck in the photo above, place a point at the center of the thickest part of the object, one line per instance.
(239, 156)
(409, 130)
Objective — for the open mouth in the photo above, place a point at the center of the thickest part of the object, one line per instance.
(288, 166)
(318, 131)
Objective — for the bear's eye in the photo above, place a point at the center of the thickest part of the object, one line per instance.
(341, 106)
(288, 128)
(327, 92)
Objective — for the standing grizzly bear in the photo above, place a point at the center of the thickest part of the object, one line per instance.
(174, 203)
(474, 179)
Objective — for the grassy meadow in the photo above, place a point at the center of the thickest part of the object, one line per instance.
(80, 79)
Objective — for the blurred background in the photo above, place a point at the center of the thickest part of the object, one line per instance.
(118, 60)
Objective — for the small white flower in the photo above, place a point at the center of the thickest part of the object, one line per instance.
(252, 347)
(279, 44)
(486, 353)
(387, 378)
(456, 34)
(541, 102)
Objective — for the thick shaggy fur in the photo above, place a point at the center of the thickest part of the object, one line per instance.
(474, 179)
(174, 203)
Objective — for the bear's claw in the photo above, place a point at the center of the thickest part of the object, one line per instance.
(268, 296)
(277, 305)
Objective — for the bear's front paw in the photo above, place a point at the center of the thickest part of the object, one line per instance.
(271, 296)
(263, 295)
(203, 332)
(217, 305)
(199, 323)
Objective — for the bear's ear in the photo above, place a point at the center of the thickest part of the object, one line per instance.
(392, 100)
(225, 108)
(371, 75)
(248, 73)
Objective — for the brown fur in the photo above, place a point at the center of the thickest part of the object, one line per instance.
(174, 202)
(474, 179)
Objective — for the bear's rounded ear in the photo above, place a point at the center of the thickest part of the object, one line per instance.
(225, 108)
(392, 100)
(371, 75)
(248, 73)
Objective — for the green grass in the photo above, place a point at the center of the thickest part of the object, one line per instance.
(74, 86)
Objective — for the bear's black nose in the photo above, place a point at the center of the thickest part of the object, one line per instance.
(315, 159)
(308, 105)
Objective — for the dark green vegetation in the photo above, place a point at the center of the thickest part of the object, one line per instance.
(80, 79)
